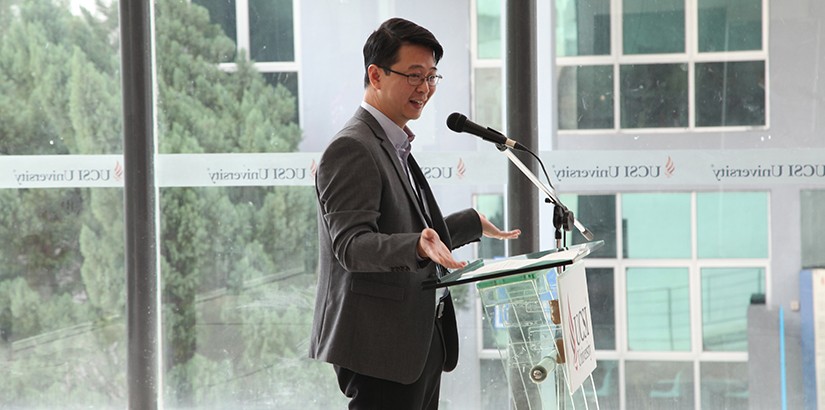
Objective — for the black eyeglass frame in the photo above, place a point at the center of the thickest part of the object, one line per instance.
(416, 79)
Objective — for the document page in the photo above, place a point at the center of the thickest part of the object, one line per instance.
(513, 264)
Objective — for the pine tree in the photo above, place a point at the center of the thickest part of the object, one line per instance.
(63, 259)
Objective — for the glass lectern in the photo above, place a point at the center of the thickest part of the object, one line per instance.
(538, 304)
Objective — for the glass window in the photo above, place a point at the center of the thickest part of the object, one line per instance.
(732, 224)
(606, 381)
(288, 91)
(267, 36)
(493, 329)
(730, 25)
(62, 281)
(585, 97)
(654, 95)
(726, 294)
(653, 64)
(222, 12)
(658, 309)
(489, 97)
(62, 300)
(582, 27)
(598, 214)
(730, 93)
(653, 26)
(659, 385)
(724, 385)
(600, 292)
(813, 224)
(489, 29)
(271, 30)
(239, 265)
(656, 225)
(492, 206)
(493, 381)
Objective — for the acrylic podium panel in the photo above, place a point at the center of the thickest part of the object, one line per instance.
(520, 299)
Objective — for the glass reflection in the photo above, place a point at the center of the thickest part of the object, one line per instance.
(659, 385)
(586, 97)
(812, 226)
(656, 225)
(726, 294)
(732, 224)
(582, 27)
(653, 26)
(62, 333)
(654, 95)
(730, 25)
(730, 93)
(658, 309)
(724, 385)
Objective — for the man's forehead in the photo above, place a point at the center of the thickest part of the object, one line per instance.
(417, 56)
(421, 67)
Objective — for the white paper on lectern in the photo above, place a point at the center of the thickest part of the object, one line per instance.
(512, 264)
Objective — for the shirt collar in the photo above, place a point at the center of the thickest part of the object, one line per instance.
(401, 138)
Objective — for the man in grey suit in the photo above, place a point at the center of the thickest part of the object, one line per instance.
(382, 235)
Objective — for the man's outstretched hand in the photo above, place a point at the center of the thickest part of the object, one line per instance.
(491, 231)
(431, 247)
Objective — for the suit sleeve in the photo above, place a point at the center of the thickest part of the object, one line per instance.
(464, 226)
(350, 183)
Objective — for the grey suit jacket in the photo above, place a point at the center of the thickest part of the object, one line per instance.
(371, 314)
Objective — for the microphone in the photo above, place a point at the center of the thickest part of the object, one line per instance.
(459, 123)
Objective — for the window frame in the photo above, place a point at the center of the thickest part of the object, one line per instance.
(691, 57)
(694, 265)
(243, 35)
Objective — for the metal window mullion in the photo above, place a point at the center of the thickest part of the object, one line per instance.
(697, 331)
(620, 304)
(616, 51)
(297, 58)
(692, 50)
(521, 117)
(242, 28)
(140, 205)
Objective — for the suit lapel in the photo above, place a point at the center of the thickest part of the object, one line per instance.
(435, 217)
(392, 156)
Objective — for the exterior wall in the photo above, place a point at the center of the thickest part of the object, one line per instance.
(335, 72)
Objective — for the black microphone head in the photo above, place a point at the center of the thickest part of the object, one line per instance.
(456, 122)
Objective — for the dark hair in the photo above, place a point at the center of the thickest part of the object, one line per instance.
(382, 45)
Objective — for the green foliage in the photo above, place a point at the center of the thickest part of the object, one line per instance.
(62, 263)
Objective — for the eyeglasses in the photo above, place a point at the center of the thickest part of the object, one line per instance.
(416, 79)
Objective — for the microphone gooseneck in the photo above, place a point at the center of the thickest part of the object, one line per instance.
(459, 123)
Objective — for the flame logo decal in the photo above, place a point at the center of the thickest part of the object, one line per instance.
(118, 171)
(461, 168)
(669, 167)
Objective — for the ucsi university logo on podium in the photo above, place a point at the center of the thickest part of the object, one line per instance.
(580, 330)
(577, 329)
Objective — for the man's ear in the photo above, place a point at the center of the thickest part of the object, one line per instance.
(375, 74)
